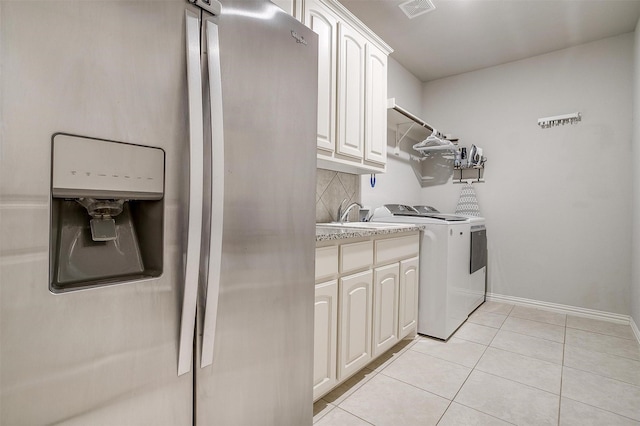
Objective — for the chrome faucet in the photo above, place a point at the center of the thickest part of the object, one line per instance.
(343, 214)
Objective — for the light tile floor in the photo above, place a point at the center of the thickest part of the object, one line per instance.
(506, 365)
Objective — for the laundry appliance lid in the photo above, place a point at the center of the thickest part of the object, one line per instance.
(428, 211)
(401, 210)
(447, 217)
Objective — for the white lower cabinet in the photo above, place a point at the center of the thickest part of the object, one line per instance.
(325, 337)
(385, 307)
(408, 314)
(366, 300)
(354, 336)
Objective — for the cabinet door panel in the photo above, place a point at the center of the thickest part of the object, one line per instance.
(355, 323)
(385, 308)
(409, 282)
(351, 88)
(376, 106)
(324, 23)
(325, 338)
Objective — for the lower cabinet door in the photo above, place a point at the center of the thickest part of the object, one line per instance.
(325, 338)
(409, 279)
(385, 307)
(354, 335)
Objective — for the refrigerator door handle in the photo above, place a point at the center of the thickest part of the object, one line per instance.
(217, 194)
(196, 184)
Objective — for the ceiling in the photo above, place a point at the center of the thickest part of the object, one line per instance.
(467, 35)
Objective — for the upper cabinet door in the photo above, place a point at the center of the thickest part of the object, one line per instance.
(321, 20)
(376, 105)
(351, 87)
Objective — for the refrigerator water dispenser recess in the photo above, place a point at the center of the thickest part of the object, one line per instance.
(107, 207)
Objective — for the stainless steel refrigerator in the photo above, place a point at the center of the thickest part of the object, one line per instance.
(157, 194)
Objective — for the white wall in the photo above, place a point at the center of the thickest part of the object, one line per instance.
(635, 282)
(404, 86)
(398, 184)
(557, 201)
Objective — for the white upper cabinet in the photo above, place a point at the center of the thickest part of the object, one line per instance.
(351, 95)
(376, 107)
(352, 89)
(320, 19)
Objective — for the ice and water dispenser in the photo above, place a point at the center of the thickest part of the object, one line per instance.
(107, 206)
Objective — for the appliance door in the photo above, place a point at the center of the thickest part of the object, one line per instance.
(478, 249)
(478, 266)
(262, 356)
(108, 355)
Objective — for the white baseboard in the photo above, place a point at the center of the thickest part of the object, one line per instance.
(565, 309)
(634, 327)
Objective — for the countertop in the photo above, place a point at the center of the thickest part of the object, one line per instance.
(326, 233)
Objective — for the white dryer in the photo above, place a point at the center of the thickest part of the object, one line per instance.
(446, 297)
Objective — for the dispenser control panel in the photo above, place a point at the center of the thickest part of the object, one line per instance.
(104, 169)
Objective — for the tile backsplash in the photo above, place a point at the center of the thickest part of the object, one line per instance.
(331, 188)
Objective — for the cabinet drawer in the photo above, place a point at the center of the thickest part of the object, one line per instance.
(397, 248)
(326, 262)
(356, 256)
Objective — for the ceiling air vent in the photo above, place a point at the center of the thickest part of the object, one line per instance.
(413, 8)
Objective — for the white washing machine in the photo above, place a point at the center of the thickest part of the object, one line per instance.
(446, 294)
(477, 258)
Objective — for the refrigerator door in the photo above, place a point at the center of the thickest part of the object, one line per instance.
(261, 371)
(115, 71)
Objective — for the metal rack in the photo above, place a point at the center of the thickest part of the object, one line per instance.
(461, 179)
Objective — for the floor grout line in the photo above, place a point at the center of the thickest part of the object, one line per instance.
(411, 346)
(520, 383)
(530, 335)
(445, 410)
(599, 408)
(601, 375)
(472, 370)
(564, 345)
(633, 339)
(418, 387)
(355, 415)
(482, 412)
(602, 352)
(536, 321)
(454, 362)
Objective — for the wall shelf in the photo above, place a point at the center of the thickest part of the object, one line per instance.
(418, 129)
(408, 125)
(461, 179)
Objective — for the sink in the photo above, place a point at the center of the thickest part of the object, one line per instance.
(362, 225)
